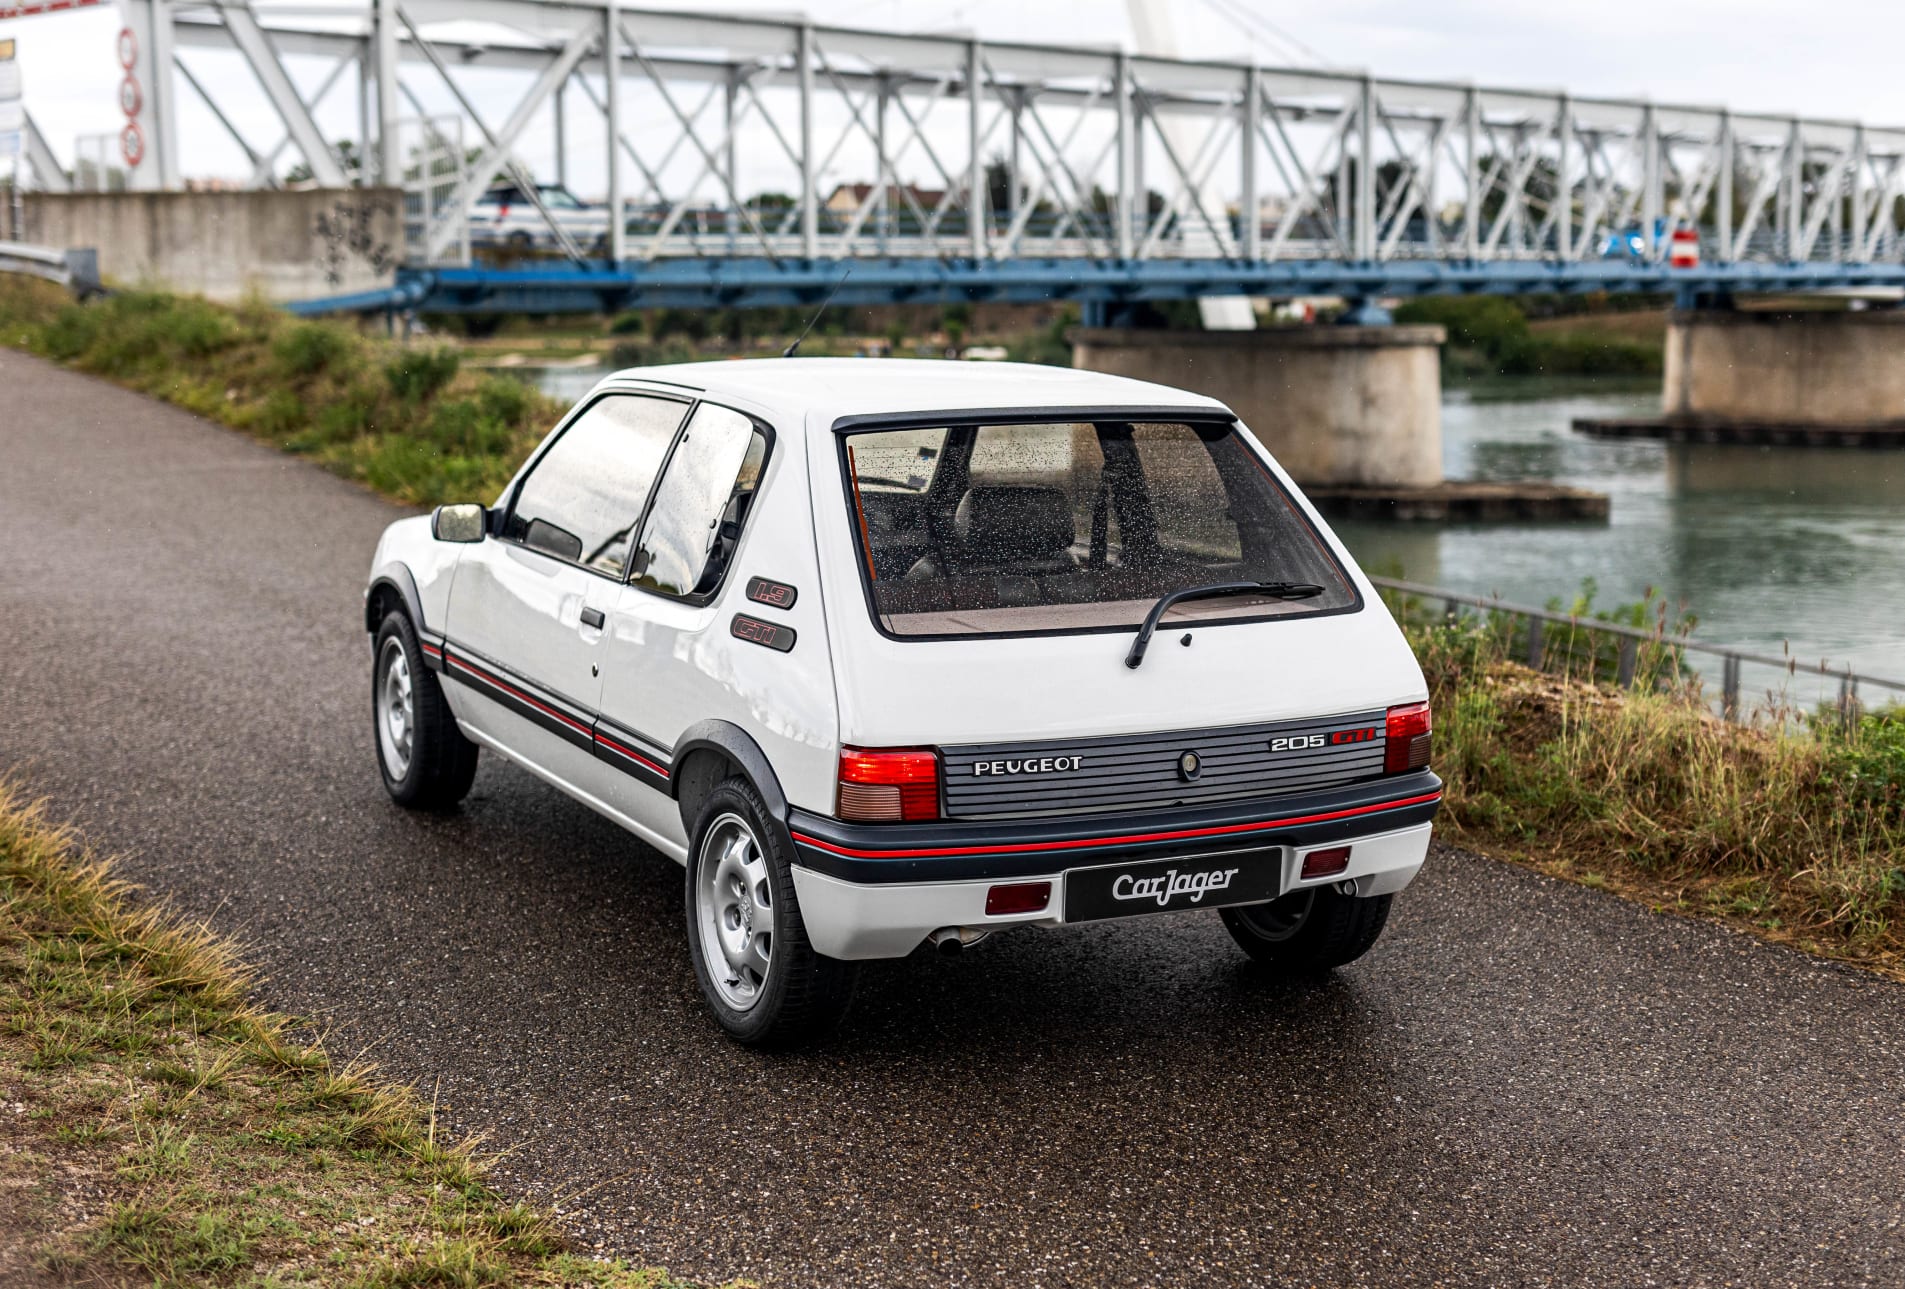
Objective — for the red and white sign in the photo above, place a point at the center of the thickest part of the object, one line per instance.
(1683, 249)
(53, 6)
(132, 143)
(130, 100)
(128, 48)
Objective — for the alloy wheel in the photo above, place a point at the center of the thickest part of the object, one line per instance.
(734, 905)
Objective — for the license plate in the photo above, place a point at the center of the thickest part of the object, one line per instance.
(1173, 885)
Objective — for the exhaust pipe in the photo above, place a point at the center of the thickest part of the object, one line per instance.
(949, 940)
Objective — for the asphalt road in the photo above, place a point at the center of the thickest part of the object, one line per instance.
(1524, 1083)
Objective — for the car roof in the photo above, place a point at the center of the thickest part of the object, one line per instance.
(839, 387)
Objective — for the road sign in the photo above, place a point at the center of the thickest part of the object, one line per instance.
(132, 143)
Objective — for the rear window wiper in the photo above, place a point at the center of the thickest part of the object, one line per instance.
(1275, 590)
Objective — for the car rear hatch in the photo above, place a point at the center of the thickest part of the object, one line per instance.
(986, 582)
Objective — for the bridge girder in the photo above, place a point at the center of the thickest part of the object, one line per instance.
(967, 150)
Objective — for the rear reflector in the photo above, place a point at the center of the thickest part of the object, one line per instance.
(1325, 863)
(1021, 897)
(890, 786)
(1406, 739)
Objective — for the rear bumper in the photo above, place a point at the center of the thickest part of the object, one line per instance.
(878, 892)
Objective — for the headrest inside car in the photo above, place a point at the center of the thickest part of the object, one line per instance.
(1007, 525)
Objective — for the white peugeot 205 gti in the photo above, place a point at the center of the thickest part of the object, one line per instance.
(897, 652)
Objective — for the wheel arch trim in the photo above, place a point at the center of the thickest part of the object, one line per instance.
(738, 746)
(396, 578)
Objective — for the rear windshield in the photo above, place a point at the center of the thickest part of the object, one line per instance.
(1012, 528)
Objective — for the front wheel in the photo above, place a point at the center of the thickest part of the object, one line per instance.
(1308, 932)
(426, 762)
(762, 979)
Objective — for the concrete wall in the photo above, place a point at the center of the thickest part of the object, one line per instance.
(1337, 405)
(225, 245)
(1788, 368)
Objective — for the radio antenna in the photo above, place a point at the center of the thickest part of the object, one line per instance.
(831, 292)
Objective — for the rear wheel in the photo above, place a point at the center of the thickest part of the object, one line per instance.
(1308, 932)
(426, 762)
(761, 977)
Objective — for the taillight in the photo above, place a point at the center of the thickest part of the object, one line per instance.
(889, 786)
(1406, 740)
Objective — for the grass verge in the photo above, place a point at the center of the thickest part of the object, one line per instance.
(157, 1127)
(408, 421)
(1791, 828)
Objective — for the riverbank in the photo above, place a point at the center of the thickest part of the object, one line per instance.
(165, 1130)
(1492, 335)
(1791, 828)
(408, 421)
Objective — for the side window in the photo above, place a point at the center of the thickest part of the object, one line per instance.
(701, 503)
(585, 496)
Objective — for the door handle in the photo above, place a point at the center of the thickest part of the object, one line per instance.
(593, 618)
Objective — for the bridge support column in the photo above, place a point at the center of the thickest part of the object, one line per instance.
(1343, 405)
(1802, 369)
(1823, 379)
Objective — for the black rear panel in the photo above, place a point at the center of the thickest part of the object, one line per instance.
(1139, 771)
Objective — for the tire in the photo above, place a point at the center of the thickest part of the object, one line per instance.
(781, 994)
(434, 768)
(1309, 932)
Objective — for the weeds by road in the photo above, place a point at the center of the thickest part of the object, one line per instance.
(1793, 829)
(156, 1127)
(405, 420)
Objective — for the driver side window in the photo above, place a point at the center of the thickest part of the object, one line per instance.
(582, 500)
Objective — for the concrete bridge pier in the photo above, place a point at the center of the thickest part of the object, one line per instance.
(1356, 406)
(1822, 379)
(1354, 413)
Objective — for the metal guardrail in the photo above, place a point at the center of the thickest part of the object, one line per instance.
(1632, 638)
(76, 270)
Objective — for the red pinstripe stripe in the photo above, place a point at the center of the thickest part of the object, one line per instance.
(613, 746)
(1133, 839)
(572, 723)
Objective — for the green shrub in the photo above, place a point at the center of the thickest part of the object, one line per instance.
(308, 348)
(420, 373)
(74, 331)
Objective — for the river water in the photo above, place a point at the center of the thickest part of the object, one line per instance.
(1768, 548)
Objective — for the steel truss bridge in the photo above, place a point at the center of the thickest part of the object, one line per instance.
(752, 159)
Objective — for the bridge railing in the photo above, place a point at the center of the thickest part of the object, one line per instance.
(957, 148)
(1541, 645)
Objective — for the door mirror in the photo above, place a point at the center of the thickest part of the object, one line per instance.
(468, 522)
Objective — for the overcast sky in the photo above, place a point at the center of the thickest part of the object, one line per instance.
(1830, 58)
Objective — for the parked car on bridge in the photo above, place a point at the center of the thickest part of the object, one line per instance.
(506, 216)
(898, 653)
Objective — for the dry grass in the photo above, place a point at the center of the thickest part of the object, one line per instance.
(1792, 829)
(158, 1128)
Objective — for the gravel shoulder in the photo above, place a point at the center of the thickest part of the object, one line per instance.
(1524, 1083)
